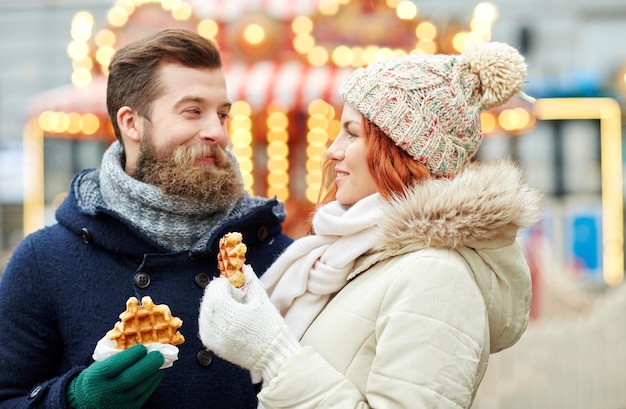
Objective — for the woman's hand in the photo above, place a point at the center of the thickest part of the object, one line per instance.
(242, 326)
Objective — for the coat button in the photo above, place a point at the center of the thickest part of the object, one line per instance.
(261, 234)
(201, 280)
(204, 357)
(141, 279)
(34, 392)
(85, 235)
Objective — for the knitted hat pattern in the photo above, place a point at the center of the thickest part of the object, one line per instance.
(430, 105)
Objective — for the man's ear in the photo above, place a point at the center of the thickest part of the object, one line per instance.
(128, 120)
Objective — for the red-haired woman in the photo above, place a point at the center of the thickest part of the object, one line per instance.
(412, 275)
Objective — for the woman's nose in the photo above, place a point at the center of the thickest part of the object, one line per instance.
(335, 150)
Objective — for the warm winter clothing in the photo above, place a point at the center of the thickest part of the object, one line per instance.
(241, 323)
(317, 266)
(66, 284)
(444, 285)
(125, 381)
(430, 105)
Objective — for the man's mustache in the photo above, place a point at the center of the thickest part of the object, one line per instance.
(187, 155)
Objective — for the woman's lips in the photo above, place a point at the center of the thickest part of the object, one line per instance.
(340, 174)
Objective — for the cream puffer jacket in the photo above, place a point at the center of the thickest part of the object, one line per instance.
(416, 322)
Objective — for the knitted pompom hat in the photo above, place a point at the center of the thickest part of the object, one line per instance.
(430, 104)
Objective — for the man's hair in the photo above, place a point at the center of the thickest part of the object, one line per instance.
(133, 79)
(392, 169)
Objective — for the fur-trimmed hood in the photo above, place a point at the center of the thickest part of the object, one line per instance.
(477, 214)
(485, 203)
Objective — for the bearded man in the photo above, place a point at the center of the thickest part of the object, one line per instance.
(147, 222)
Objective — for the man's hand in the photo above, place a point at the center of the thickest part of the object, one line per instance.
(123, 381)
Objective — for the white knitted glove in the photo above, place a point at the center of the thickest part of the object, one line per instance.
(242, 326)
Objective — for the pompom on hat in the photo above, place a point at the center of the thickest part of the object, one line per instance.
(430, 104)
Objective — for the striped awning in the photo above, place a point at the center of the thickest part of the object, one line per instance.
(292, 83)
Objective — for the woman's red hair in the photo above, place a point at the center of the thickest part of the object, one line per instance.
(392, 169)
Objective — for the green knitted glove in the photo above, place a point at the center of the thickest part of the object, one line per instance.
(123, 381)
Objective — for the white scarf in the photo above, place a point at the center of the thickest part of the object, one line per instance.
(313, 268)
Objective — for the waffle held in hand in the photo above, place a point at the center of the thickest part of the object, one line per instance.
(231, 257)
(145, 324)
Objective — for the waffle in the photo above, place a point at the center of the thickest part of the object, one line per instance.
(230, 259)
(146, 323)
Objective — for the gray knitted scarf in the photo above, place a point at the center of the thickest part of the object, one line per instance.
(174, 223)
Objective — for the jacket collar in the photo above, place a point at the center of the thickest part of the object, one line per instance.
(483, 207)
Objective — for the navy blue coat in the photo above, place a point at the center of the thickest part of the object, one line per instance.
(66, 285)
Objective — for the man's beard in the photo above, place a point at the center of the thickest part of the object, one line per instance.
(176, 171)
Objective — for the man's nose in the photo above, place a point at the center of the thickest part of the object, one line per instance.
(214, 131)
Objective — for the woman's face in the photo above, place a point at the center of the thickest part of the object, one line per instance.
(347, 152)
